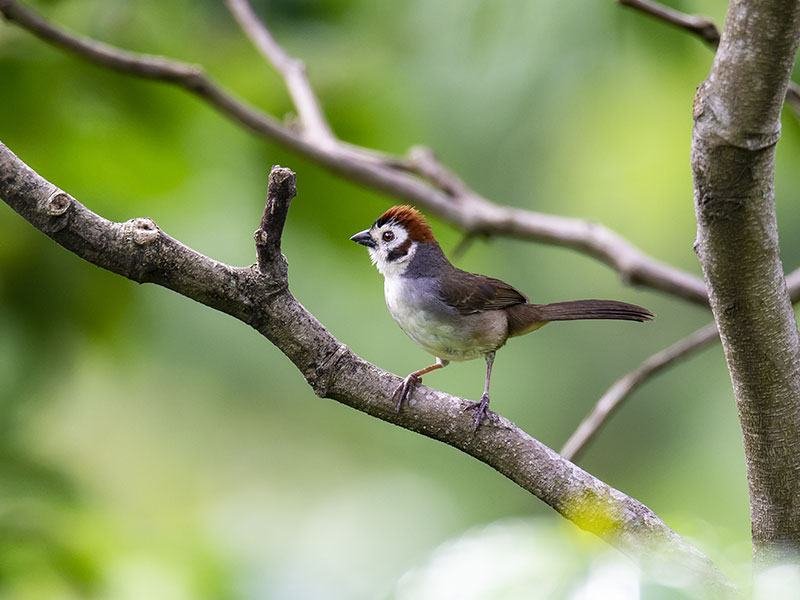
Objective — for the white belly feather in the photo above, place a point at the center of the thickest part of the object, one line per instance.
(440, 331)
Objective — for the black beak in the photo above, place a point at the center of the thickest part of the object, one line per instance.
(364, 238)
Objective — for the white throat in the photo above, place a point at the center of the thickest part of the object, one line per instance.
(391, 268)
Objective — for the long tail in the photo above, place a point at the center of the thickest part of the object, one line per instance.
(594, 309)
(524, 318)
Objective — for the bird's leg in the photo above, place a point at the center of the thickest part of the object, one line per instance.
(404, 390)
(482, 408)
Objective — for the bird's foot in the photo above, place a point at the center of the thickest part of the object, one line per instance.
(405, 389)
(481, 409)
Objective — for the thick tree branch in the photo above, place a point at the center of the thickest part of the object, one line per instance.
(260, 297)
(614, 397)
(439, 191)
(703, 28)
(736, 112)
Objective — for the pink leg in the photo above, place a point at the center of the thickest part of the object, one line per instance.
(482, 408)
(405, 389)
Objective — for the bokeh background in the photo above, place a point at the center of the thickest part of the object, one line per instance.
(152, 448)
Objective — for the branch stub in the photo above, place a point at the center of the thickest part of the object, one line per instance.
(281, 189)
(57, 203)
(142, 230)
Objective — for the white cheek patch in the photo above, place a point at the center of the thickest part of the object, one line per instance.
(380, 254)
(394, 268)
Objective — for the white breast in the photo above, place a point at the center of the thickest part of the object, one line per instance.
(440, 331)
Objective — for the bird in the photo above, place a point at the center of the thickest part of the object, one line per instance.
(455, 315)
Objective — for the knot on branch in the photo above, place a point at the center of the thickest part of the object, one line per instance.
(321, 375)
(281, 189)
(139, 234)
(57, 203)
(714, 126)
(56, 207)
(141, 231)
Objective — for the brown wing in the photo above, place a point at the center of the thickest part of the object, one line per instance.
(469, 293)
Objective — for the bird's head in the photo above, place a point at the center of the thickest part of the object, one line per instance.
(393, 239)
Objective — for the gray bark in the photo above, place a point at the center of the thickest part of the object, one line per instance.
(259, 296)
(737, 112)
(419, 178)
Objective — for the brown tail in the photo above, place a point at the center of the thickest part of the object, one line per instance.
(524, 318)
(593, 309)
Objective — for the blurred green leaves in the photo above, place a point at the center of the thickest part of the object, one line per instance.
(152, 448)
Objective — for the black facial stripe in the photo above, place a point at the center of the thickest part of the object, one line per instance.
(400, 251)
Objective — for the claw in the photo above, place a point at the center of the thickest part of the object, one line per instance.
(481, 411)
(405, 389)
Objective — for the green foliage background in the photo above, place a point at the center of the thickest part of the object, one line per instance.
(150, 447)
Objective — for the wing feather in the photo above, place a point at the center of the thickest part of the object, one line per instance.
(470, 293)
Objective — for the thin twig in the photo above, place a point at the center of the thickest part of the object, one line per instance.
(472, 213)
(610, 402)
(190, 77)
(384, 172)
(793, 285)
(624, 387)
(703, 28)
(793, 96)
(140, 251)
(293, 71)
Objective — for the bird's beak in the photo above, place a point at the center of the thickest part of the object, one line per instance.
(364, 238)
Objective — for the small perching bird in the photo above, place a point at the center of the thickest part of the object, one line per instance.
(455, 315)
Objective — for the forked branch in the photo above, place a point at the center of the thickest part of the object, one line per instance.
(702, 27)
(418, 179)
(622, 389)
(259, 296)
(293, 71)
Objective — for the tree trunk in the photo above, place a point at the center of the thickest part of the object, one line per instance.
(737, 125)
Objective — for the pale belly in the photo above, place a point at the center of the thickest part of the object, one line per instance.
(440, 332)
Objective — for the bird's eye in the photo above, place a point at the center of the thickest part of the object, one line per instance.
(387, 236)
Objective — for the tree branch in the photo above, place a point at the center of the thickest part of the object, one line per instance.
(281, 189)
(703, 28)
(293, 71)
(423, 162)
(260, 297)
(624, 387)
(614, 397)
(737, 125)
(468, 210)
